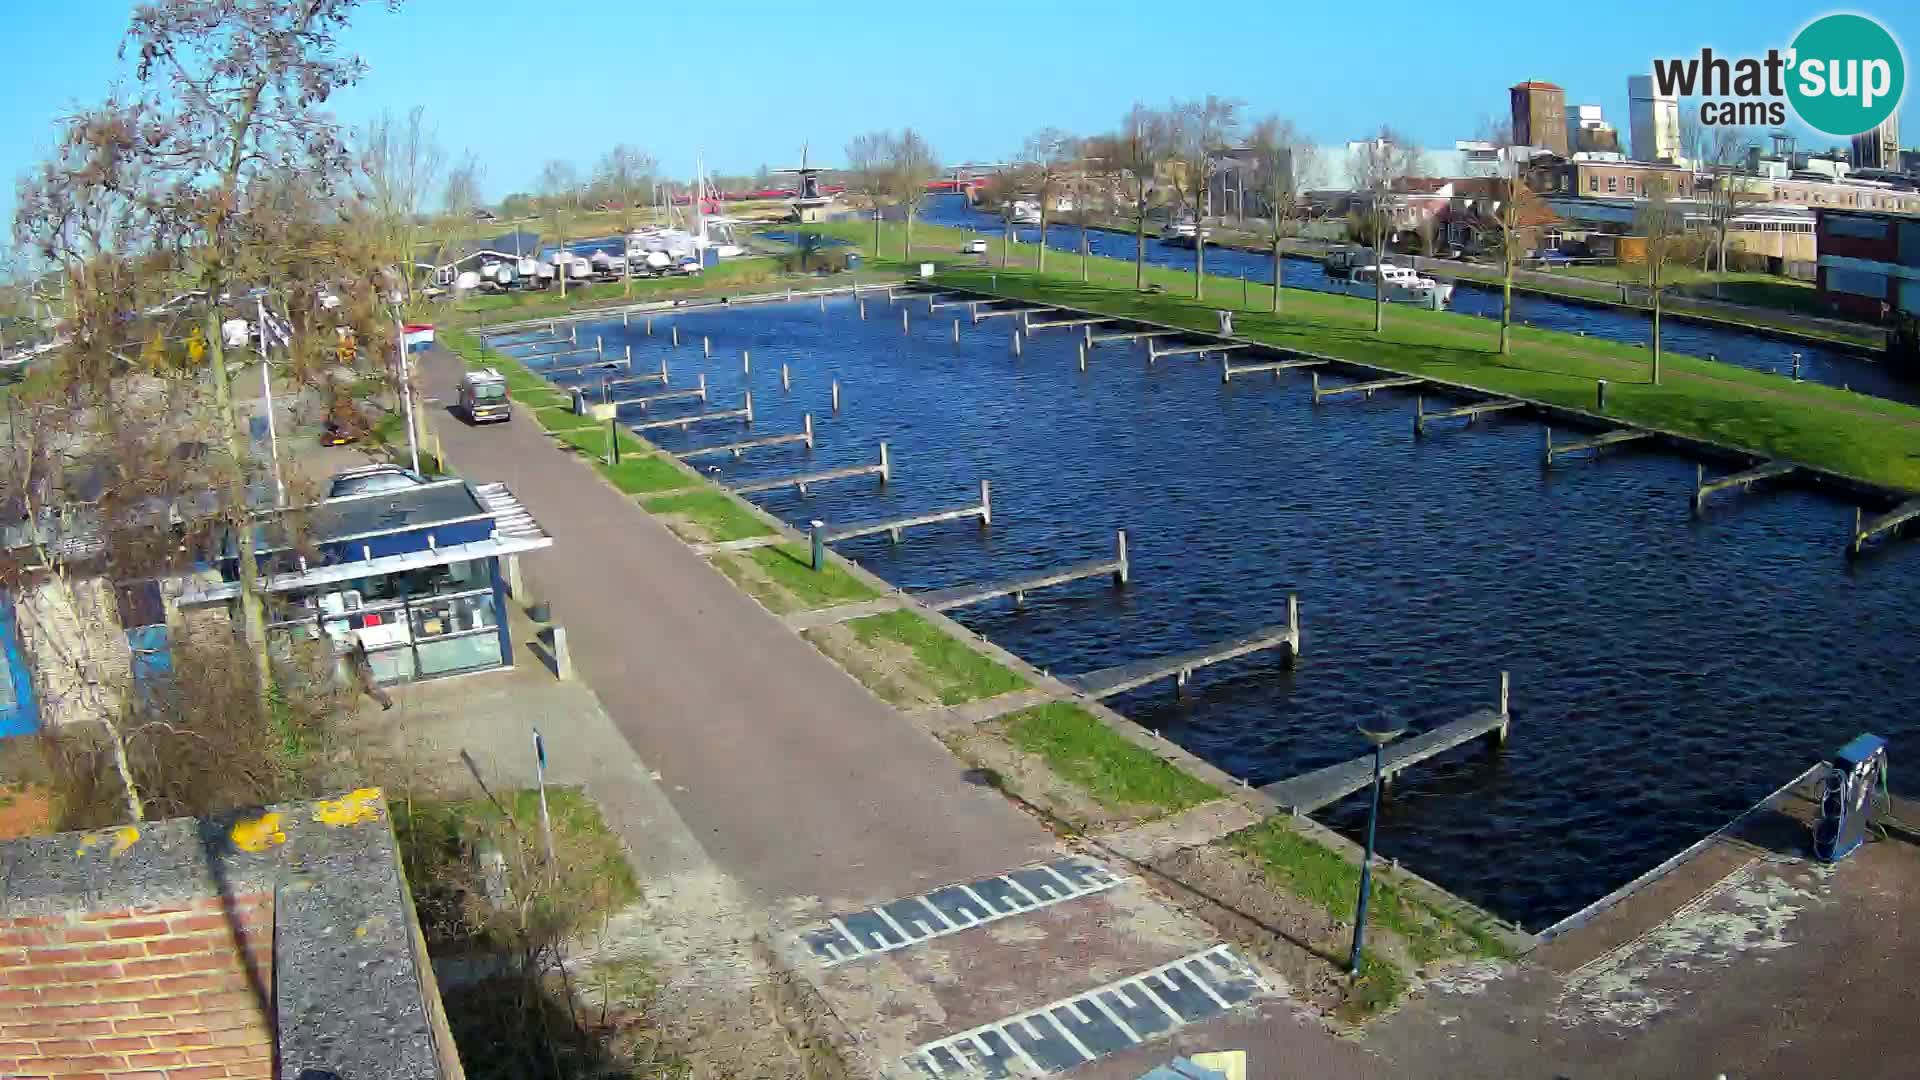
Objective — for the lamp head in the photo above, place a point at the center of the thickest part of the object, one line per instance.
(1382, 727)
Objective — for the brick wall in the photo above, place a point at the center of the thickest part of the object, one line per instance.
(161, 993)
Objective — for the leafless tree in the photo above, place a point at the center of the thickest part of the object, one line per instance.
(1285, 164)
(1201, 128)
(1378, 167)
(1141, 148)
(912, 165)
(868, 174)
(1661, 220)
(1049, 160)
(399, 165)
(560, 184)
(623, 176)
(1503, 224)
(1721, 188)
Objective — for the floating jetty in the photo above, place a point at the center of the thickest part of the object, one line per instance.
(895, 526)
(745, 412)
(1312, 791)
(1018, 587)
(737, 449)
(1132, 335)
(1192, 350)
(1229, 370)
(1597, 442)
(1366, 388)
(882, 469)
(1865, 531)
(1421, 417)
(1744, 480)
(1107, 682)
(1061, 324)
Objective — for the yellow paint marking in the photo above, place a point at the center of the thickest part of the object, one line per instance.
(349, 809)
(123, 838)
(259, 835)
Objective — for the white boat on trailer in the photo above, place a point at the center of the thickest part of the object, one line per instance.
(1403, 285)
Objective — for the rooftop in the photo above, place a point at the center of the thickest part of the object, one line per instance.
(1535, 84)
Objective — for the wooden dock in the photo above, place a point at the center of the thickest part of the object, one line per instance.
(658, 378)
(934, 303)
(1229, 370)
(1421, 417)
(1192, 350)
(882, 469)
(1744, 480)
(644, 400)
(1107, 682)
(994, 313)
(1366, 388)
(1320, 788)
(738, 449)
(1132, 335)
(1865, 531)
(1018, 587)
(895, 526)
(591, 365)
(1597, 442)
(745, 412)
(1060, 324)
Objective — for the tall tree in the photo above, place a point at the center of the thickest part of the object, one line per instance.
(624, 174)
(1048, 160)
(399, 164)
(560, 184)
(1141, 149)
(1722, 189)
(1285, 164)
(1378, 167)
(1503, 222)
(868, 163)
(912, 165)
(1661, 220)
(1201, 128)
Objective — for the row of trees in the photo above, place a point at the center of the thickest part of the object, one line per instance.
(890, 169)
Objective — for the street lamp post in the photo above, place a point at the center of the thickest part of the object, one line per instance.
(1378, 730)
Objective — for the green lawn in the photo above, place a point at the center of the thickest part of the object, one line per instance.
(1091, 755)
(950, 666)
(782, 577)
(719, 515)
(644, 474)
(591, 439)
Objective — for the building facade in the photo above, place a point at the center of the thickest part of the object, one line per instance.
(1588, 132)
(1879, 148)
(1869, 262)
(1653, 121)
(1540, 115)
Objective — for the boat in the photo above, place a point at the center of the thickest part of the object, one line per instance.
(1403, 284)
(1025, 211)
(1184, 234)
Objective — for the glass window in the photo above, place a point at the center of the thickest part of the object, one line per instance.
(1593, 183)
(464, 653)
(1629, 185)
(1613, 184)
(1863, 228)
(442, 617)
(1856, 282)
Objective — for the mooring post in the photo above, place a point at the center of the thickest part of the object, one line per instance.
(703, 388)
(676, 335)
(786, 377)
(863, 309)
(1316, 388)
(1293, 622)
(823, 301)
(1505, 716)
(1796, 367)
(749, 408)
(1088, 335)
(1549, 458)
(629, 359)
(706, 346)
(1854, 548)
(1419, 415)
(929, 303)
(1600, 395)
(986, 504)
(806, 425)
(819, 543)
(903, 320)
(1016, 341)
(1121, 571)
(1226, 368)
(649, 326)
(599, 348)
(1699, 481)
(664, 378)
(886, 463)
(836, 397)
(1083, 356)
(746, 362)
(625, 318)
(573, 334)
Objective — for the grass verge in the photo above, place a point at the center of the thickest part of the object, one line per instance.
(1094, 757)
(716, 515)
(782, 578)
(952, 668)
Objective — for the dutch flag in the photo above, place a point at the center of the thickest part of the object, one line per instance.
(419, 336)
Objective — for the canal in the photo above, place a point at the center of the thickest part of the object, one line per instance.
(1834, 366)
(1667, 671)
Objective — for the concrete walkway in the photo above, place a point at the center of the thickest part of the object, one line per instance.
(797, 781)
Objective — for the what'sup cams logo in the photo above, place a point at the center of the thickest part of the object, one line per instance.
(1844, 74)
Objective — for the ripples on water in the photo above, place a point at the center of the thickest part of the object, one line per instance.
(1667, 672)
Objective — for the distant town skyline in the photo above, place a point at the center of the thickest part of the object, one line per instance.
(520, 85)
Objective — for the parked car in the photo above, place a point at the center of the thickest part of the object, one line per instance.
(372, 480)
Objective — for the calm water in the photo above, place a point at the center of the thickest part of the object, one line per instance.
(1832, 366)
(1667, 672)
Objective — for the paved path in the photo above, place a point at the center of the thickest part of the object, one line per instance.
(797, 781)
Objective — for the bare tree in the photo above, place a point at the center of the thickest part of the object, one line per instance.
(624, 174)
(1503, 224)
(1378, 167)
(1141, 148)
(1661, 220)
(1285, 164)
(1722, 189)
(912, 165)
(1200, 129)
(560, 184)
(461, 196)
(399, 162)
(869, 162)
(1048, 160)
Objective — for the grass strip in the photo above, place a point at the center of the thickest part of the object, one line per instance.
(781, 576)
(718, 515)
(1091, 755)
(950, 666)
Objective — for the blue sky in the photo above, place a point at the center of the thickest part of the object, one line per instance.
(748, 82)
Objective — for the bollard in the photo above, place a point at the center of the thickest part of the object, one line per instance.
(746, 362)
(1796, 367)
(986, 504)
(819, 544)
(613, 441)
(886, 463)
(836, 397)
(1600, 395)
(786, 380)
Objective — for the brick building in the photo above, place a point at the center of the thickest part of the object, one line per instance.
(1540, 115)
(1869, 262)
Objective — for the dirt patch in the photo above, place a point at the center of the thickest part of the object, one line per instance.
(684, 527)
(888, 668)
(1027, 778)
(747, 574)
(25, 810)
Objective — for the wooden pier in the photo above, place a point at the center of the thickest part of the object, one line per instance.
(1744, 480)
(591, 365)
(934, 303)
(1061, 324)
(882, 469)
(1107, 682)
(1366, 388)
(745, 412)
(644, 400)
(1018, 587)
(1320, 788)
(651, 377)
(1191, 350)
(1421, 417)
(1597, 442)
(1229, 370)
(1865, 531)
(895, 526)
(1015, 312)
(737, 449)
(1132, 335)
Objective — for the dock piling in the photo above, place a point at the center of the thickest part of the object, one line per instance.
(573, 334)
(1419, 415)
(625, 317)
(786, 377)
(863, 310)
(1083, 356)
(749, 407)
(676, 336)
(746, 362)
(706, 347)
(903, 320)
(986, 504)
(600, 347)
(806, 425)
(956, 331)
(1293, 627)
(886, 463)
(649, 326)
(1016, 342)
(703, 387)
(1122, 573)
(836, 397)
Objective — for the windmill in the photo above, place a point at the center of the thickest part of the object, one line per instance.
(809, 205)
